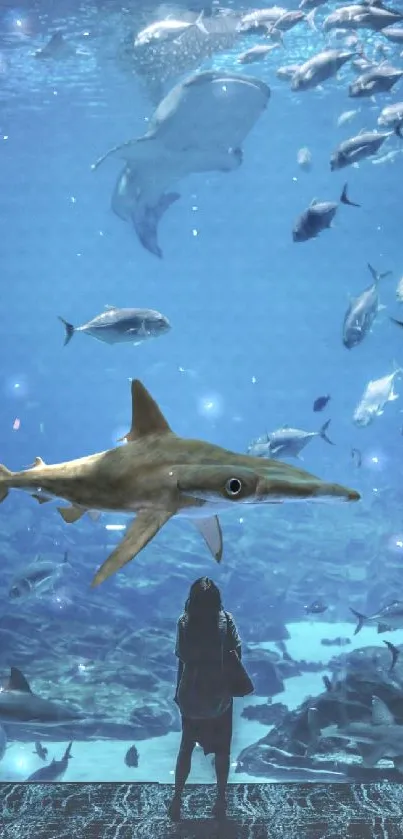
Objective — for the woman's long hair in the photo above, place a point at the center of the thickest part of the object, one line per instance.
(202, 608)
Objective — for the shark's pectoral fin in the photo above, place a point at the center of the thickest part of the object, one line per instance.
(141, 531)
(71, 514)
(210, 529)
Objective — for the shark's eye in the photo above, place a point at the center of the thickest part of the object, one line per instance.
(233, 486)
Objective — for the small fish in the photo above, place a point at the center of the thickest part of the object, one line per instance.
(357, 15)
(55, 770)
(304, 159)
(256, 53)
(319, 68)
(377, 394)
(132, 757)
(41, 751)
(346, 116)
(317, 607)
(121, 325)
(362, 311)
(287, 72)
(393, 34)
(389, 157)
(286, 442)
(356, 457)
(357, 148)
(387, 619)
(317, 217)
(259, 21)
(399, 290)
(379, 80)
(321, 402)
(391, 115)
(166, 30)
(394, 653)
(37, 578)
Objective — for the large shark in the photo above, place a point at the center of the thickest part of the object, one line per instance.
(380, 738)
(158, 475)
(198, 127)
(18, 704)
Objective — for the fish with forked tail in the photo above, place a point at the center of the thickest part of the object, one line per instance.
(318, 216)
(116, 326)
(287, 442)
(362, 311)
(387, 619)
(54, 771)
(159, 475)
(377, 394)
(365, 144)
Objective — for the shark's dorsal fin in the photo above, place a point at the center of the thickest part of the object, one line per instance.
(380, 712)
(17, 681)
(37, 463)
(146, 415)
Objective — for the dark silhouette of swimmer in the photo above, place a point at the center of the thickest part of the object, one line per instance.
(205, 634)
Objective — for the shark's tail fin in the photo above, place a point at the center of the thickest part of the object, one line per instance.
(377, 275)
(5, 474)
(322, 433)
(361, 620)
(146, 220)
(70, 329)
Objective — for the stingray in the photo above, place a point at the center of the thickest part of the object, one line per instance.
(199, 126)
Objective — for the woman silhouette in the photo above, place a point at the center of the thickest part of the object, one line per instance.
(205, 634)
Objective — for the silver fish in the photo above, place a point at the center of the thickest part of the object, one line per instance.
(393, 34)
(116, 326)
(387, 619)
(359, 147)
(286, 442)
(391, 115)
(320, 67)
(317, 217)
(165, 30)
(54, 771)
(362, 312)
(256, 53)
(36, 579)
(377, 394)
(379, 80)
(359, 16)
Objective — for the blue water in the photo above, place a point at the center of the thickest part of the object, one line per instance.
(256, 333)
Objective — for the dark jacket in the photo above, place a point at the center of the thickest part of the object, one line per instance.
(202, 685)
